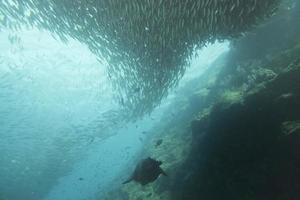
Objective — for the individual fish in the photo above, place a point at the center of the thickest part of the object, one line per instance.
(146, 171)
(158, 143)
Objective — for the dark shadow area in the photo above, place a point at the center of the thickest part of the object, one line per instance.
(241, 152)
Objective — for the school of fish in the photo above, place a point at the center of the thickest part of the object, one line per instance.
(145, 43)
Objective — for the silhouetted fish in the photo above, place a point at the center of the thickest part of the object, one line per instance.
(146, 171)
(158, 142)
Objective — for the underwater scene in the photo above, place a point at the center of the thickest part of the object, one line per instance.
(149, 100)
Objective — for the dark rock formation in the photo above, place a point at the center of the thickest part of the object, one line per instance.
(240, 152)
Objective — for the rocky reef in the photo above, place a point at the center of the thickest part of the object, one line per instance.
(249, 149)
(242, 147)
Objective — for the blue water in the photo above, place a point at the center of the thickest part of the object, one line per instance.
(62, 135)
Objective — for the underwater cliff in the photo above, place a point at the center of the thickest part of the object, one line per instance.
(209, 89)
